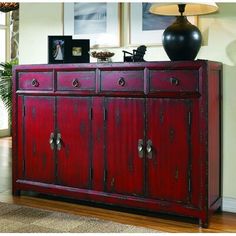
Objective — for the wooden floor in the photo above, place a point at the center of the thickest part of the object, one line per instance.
(220, 222)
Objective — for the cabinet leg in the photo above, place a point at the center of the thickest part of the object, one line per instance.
(218, 210)
(203, 223)
(16, 192)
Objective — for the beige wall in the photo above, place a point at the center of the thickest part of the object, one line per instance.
(38, 20)
(220, 44)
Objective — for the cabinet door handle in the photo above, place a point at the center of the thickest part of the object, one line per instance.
(149, 149)
(140, 148)
(51, 141)
(58, 141)
(75, 83)
(34, 83)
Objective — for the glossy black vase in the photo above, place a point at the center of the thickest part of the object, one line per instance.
(182, 40)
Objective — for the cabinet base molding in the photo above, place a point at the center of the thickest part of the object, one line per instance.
(229, 204)
(119, 200)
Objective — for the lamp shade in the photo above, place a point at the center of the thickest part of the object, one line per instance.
(191, 8)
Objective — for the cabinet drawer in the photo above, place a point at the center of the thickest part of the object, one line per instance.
(35, 81)
(122, 81)
(174, 80)
(83, 80)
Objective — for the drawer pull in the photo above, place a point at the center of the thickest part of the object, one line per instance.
(140, 148)
(51, 141)
(174, 81)
(75, 83)
(121, 82)
(34, 83)
(149, 149)
(58, 142)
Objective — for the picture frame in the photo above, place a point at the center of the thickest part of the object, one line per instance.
(79, 49)
(97, 21)
(143, 27)
(58, 49)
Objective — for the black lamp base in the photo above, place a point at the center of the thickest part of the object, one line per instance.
(182, 40)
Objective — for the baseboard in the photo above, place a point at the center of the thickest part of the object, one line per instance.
(229, 204)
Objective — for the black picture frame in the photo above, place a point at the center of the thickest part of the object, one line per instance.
(58, 49)
(79, 51)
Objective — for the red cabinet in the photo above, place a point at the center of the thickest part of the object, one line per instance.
(141, 135)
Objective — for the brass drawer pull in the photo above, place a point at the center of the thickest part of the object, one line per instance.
(121, 82)
(34, 83)
(174, 81)
(51, 141)
(140, 148)
(59, 141)
(149, 149)
(75, 83)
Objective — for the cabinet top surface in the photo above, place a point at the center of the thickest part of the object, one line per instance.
(158, 64)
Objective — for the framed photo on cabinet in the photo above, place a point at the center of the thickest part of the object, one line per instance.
(58, 49)
(79, 51)
(97, 21)
(147, 28)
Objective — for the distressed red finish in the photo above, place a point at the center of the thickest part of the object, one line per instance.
(129, 81)
(38, 159)
(74, 126)
(35, 81)
(169, 167)
(174, 80)
(124, 126)
(68, 80)
(141, 135)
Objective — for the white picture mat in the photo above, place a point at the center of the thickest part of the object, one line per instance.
(111, 38)
(149, 37)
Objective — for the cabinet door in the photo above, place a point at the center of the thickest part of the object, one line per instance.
(168, 131)
(37, 127)
(74, 127)
(124, 127)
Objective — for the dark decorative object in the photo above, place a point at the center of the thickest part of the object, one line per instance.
(79, 51)
(182, 40)
(8, 6)
(136, 56)
(59, 48)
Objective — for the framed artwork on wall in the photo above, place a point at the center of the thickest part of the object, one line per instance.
(58, 49)
(98, 21)
(147, 28)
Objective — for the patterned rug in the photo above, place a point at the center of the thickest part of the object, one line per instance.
(22, 219)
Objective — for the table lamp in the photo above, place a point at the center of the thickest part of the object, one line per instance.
(182, 40)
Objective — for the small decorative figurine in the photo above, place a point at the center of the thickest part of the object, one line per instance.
(136, 56)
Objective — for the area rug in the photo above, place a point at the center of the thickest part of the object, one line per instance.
(22, 219)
